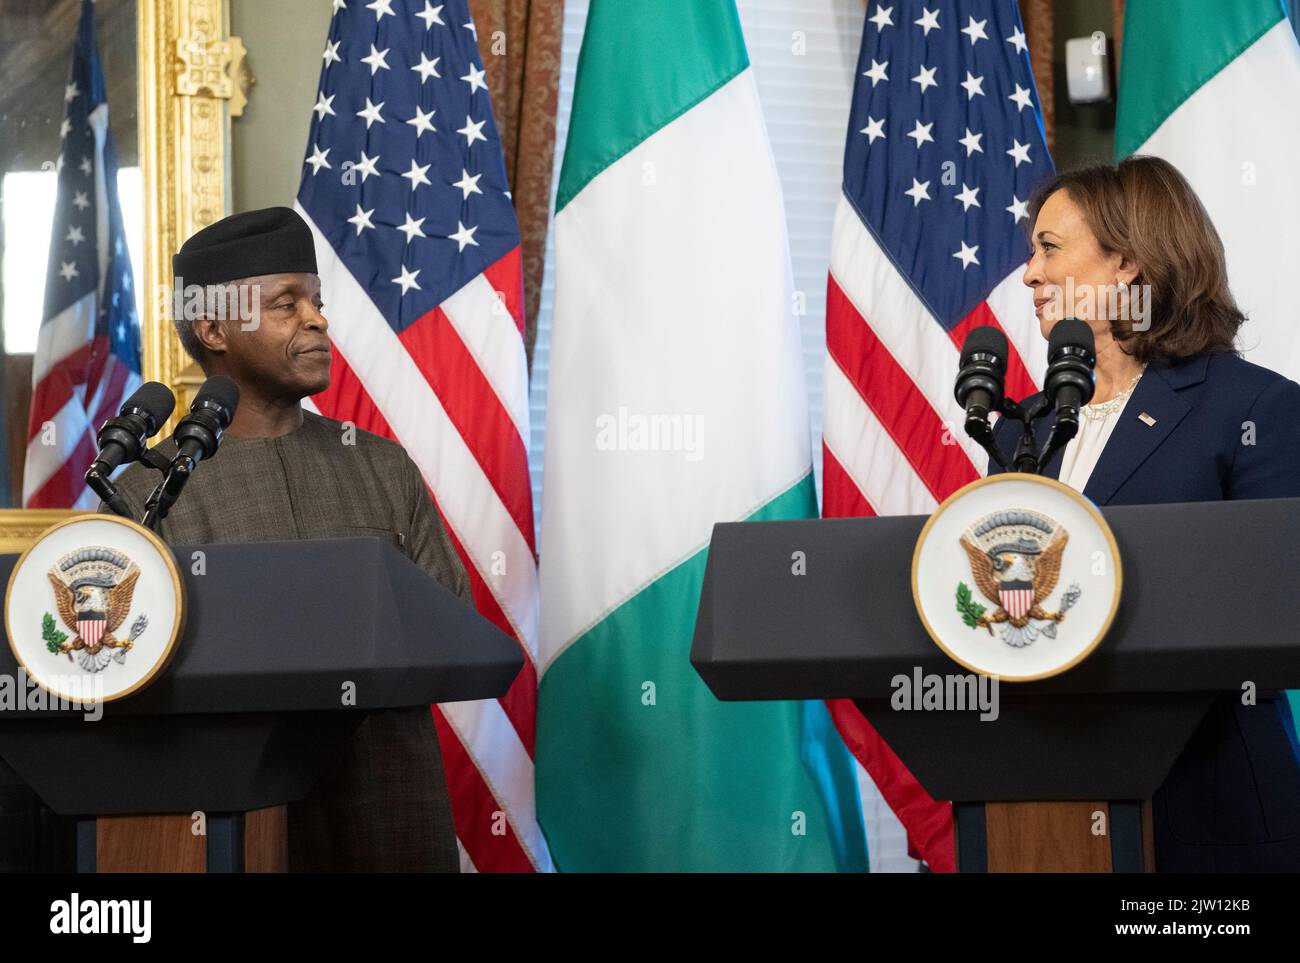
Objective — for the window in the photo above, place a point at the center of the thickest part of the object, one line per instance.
(27, 202)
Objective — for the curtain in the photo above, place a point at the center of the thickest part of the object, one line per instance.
(1037, 15)
(520, 42)
(1117, 34)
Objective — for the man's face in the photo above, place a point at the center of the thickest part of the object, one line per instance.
(281, 352)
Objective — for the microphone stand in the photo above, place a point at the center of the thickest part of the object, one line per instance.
(1027, 458)
(197, 437)
(101, 482)
(1073, 365)
(102, 485)
(981, 432)
(1057, 439)
(164, 496)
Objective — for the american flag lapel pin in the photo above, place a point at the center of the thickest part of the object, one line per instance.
(1147, 420)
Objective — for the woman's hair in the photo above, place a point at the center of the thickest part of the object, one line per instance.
(1145, 210)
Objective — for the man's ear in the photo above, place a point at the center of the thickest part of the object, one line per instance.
(211, 334)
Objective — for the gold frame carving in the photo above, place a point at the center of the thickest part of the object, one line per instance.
(184, 130)
(20, 527)
(184, 141)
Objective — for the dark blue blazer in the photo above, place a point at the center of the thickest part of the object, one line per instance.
(1216, 427)
(1220, 427)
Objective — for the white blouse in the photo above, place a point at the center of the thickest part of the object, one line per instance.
(1085, 448)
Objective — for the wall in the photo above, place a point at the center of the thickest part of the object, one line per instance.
(1085, 133)
(268, 142)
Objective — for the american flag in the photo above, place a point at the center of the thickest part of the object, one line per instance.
(88, 351)
(404, 186)
(945, 146)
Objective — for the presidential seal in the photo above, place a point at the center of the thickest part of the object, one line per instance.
(1015, 560)
(94, 608)
(1016, 576)
(93, 590)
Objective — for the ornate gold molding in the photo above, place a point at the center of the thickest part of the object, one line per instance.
(212, 69)
(189, 82)
(20, 527)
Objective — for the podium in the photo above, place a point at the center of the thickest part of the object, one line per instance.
(286, 647)
(1099, 738)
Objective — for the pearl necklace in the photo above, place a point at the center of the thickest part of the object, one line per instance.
(1107, 408)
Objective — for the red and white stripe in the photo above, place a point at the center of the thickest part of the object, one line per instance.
(91, 631)
(77, 381)
(453, 390)
(77, 384)
(893, 443)
(1017, 602)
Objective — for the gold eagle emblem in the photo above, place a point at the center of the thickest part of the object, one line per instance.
(1015, 560)
(93, 591)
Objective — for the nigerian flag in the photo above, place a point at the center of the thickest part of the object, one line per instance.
(675, 400)
(1214, 87)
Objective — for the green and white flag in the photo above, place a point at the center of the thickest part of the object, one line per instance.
(676, 400)
(1213, 86)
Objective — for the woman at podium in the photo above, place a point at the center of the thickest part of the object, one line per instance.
(1177, 416)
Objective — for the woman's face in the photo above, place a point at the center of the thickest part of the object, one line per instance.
(1071, 276)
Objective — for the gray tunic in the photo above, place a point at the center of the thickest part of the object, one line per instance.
(385, 806)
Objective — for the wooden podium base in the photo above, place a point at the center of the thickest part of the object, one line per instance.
(1054, 837)
(253, 842)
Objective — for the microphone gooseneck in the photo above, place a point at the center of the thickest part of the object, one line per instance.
(122, 439)
(199, 433)
(981, 384)
(1071, 358)
(197, 437)
(1068, 384)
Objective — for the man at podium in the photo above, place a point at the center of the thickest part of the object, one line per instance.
(1176, 416)
(285, 473)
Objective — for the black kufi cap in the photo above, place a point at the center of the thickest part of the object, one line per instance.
(275, 240)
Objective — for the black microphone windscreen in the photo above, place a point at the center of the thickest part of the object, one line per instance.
(221, 390)
(1070, 333)
(157, 399)
(987, 340)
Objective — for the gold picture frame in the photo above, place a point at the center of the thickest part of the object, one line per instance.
(189, 85)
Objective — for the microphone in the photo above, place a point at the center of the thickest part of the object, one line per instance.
(981, 383)
(1068, 384)
(981, 380)
(199, 433)
(122, 440)
(197, 437)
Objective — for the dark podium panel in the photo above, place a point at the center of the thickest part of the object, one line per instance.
(251, 710)
(1210, 601)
